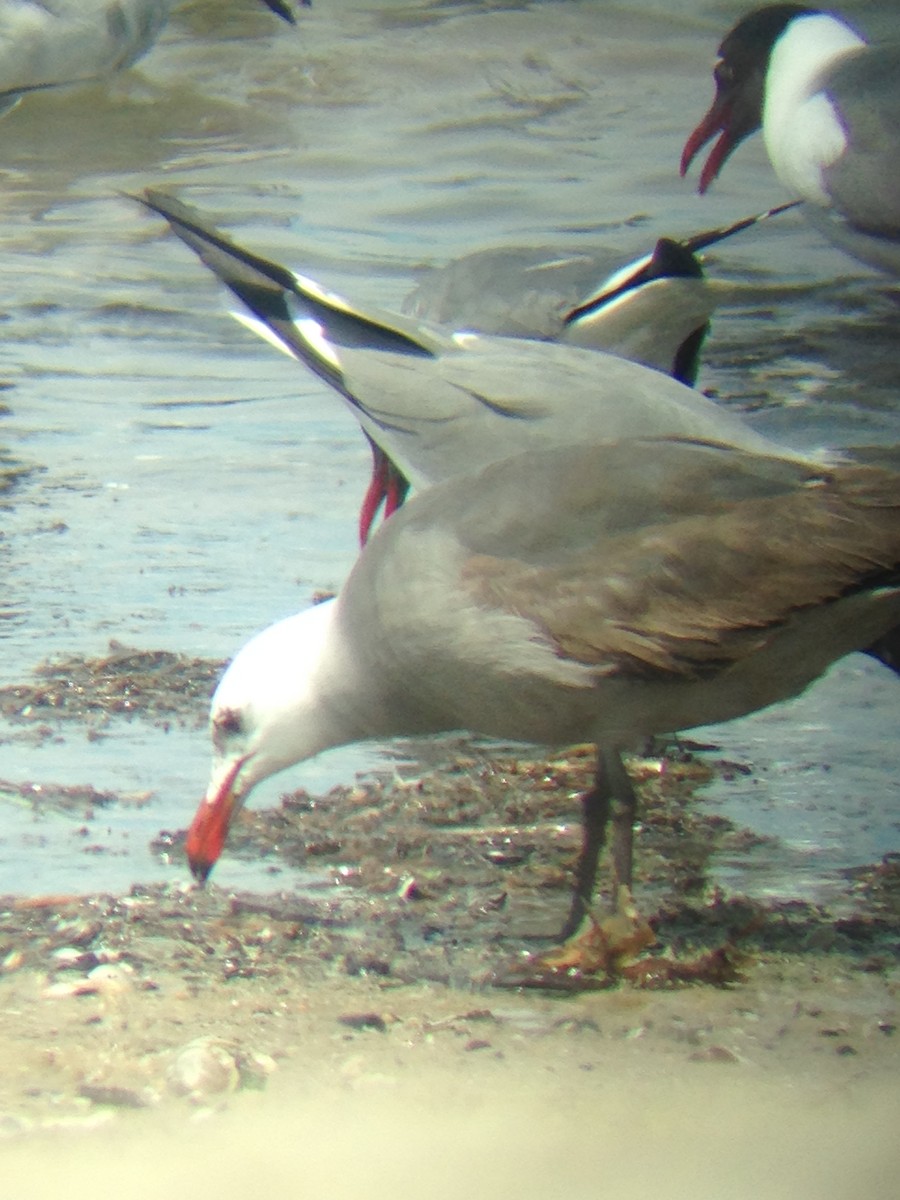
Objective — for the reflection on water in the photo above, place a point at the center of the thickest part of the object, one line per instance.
(188, 485)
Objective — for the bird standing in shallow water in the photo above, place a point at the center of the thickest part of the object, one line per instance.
(829, 107)
(75, 41)
(600, 592)
(655, 310)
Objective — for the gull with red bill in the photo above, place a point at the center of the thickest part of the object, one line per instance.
(599, 592)
(560, 577)
(828, 104)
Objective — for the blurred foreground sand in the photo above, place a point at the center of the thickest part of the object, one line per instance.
(691, 1137)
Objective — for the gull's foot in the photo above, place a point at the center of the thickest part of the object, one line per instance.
(606, 952)
(593, 957)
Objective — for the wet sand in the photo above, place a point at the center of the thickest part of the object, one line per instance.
(380, 1028)
(332, 1058)
(785, 1086)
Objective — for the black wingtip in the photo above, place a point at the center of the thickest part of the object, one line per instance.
(283, 10)
(887, 649)
(204, 239)
(710, 237)
(672, 259)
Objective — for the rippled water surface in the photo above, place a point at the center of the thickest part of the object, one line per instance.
(187, 485)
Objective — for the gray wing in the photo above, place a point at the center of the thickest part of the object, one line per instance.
(608, 590)
(653, 310)
(517, 292)
(441, 403)
(664, 558)
(493, 397)
(865, 182)
(43, 46)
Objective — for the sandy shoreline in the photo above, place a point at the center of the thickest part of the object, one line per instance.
(184, 1040)
(366, 1032)
(161, 1073)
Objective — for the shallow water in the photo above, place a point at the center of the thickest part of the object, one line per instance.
(189, 486)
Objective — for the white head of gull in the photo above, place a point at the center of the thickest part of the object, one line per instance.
(599, 593)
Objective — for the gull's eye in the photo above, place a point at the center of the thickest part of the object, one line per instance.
(723, 73)
(227, 723)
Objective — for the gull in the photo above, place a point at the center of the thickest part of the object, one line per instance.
(51, 43)
(829, 107)
(654, 310)
(436, 402)
(599, 592)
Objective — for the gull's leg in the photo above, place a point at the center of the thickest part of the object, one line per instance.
(623, 811)
(611, 799)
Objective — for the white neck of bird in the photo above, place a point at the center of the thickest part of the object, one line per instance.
(802, 131)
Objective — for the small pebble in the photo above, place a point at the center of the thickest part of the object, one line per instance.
(114, 1096)
(205, 1067)
(714, 1054)
(364, 1020)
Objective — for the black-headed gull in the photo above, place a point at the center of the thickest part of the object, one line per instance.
(829, 107)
